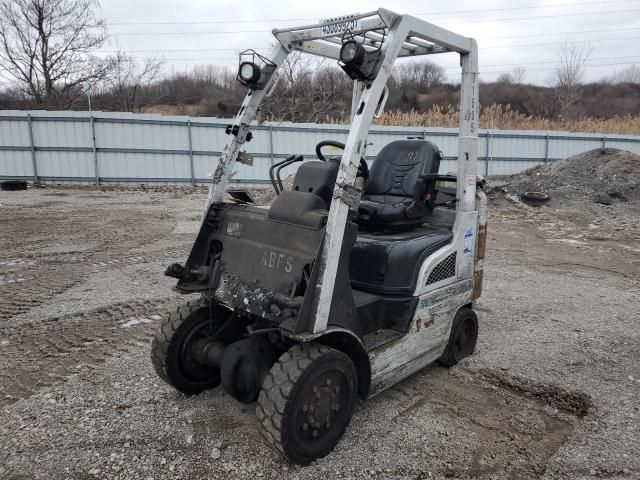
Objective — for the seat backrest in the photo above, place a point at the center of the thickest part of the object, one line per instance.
(397, 168)
(317, 177)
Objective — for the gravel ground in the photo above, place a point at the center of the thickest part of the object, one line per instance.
(553, 390)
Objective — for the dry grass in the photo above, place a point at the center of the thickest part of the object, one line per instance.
(496, 116)
(503, 118)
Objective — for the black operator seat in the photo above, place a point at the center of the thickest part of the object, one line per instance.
(396, 196)
(393, 239)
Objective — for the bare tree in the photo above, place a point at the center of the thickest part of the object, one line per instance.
(630, 74)
(293, 90)
(505, 78)
(518, 75)
(127, 76)
(515, 77)
(46, 47)
(329, 93)
(219, 76)
(419, 75)
(568, 76)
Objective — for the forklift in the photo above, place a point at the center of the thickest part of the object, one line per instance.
(353, 279)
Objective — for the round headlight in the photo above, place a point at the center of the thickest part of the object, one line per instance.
(249, 72)
(350, 51)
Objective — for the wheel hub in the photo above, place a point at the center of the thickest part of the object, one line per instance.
(325, 401)
(322, 405)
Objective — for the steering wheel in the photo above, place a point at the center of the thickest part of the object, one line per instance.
(363, 169)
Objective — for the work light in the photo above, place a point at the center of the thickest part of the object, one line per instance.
(351, 52)
(254, 70)
(248, 73)
(357, 62)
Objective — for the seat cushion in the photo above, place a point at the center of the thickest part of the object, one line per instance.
(388, 210)
(390, 263)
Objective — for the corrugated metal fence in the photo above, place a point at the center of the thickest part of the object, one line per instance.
(124, 147)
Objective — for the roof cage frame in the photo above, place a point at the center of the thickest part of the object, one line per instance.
(424, 39)
(404, 36)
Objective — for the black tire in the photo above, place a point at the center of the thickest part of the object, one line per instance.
(172, 348)
(13, 185)
(462, 339)
(535, 199)
(306, 401)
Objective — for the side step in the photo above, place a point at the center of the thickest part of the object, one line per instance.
(377, 314)
(380, 337)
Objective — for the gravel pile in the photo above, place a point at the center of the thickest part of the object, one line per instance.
(605, 176)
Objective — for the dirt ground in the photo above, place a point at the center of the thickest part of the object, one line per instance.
(553, 390)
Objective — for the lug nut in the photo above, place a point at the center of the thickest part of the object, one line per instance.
(315, 433)
(337, 389)
(328, 382)
(305, 426)
(305, 407)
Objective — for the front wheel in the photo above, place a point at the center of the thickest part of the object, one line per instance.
(463, 337)
(306, 401)
(173, 348)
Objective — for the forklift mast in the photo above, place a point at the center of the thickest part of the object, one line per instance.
(381, 38)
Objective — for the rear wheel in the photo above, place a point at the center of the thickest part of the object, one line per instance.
(173, 348)
(463, 337)
(306, 401)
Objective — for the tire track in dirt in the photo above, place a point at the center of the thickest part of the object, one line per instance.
(512, 426)
(52, 349)
(26, 283)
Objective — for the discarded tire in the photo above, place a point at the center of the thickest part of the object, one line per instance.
(13, 185)
(535, 199)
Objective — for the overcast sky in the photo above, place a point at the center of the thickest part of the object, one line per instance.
(510, 33)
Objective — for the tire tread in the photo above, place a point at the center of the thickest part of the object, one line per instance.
(164, 334)
(278, 388)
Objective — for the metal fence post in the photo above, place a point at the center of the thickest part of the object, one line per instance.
(33, 149)
(604, 142)
(546, 148)
(193, 177)
(271, 144)
(95, 149)
(486, 157)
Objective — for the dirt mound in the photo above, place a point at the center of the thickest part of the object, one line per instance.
(603, 175)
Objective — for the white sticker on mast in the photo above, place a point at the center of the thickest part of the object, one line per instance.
(344, 24)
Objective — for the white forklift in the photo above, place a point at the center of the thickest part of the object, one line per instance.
(352, 280)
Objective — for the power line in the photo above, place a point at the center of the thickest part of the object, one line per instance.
(528, 45)
(456, 12)
(524, 45)
(477, 38)
(557, 33)
(510, 19)
(550, 68)
(552, 62)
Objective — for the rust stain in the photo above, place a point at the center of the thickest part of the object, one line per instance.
(431, 320)
(477, 284)
(482, 242)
